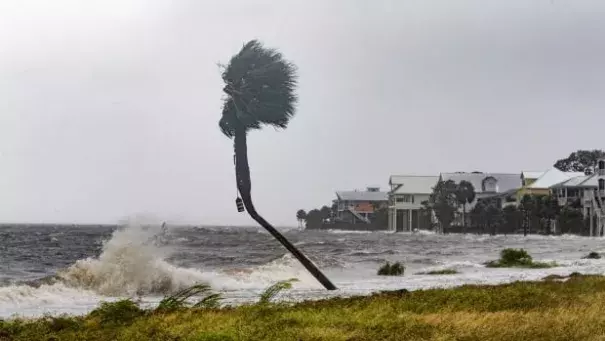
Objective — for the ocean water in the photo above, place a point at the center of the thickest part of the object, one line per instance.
(70, 269)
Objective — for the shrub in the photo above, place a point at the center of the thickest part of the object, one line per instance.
(388, 269)
(119, 312)
(517, 258)
(592, 255)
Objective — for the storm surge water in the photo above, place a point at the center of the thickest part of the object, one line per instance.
(70, 269)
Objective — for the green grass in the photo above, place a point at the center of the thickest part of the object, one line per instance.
(439, 272)
(518, 258)
(388, 269)
(550, 310)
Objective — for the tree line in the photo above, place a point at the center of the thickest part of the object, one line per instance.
(534, 214)
(315, 217)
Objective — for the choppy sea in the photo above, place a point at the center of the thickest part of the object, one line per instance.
(70, 269)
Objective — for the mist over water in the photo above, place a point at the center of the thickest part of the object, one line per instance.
(70, 269)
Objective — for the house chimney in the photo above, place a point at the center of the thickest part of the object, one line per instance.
(588, 171)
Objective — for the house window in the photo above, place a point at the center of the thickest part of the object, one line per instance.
(601, 184)
(405, 198)
(490, 184)
(602, 164)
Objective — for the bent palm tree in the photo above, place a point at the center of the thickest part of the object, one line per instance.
(260, 88)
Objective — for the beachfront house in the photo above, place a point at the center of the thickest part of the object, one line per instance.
(405, 200)
(586, 192)
(357, 207)
(542, 185)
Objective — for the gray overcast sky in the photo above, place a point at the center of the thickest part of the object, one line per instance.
(109, 108)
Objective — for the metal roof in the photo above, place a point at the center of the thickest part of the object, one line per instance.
(553, 176)
(362, 196)
(413, 184)
(504, 181)
(573, 182)
(579, 181)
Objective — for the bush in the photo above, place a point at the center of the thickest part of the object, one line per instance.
(440, 272)
(517, 258)
(592, 255)
(388, 269)
(119, 312)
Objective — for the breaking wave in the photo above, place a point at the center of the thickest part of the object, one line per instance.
(131, 263)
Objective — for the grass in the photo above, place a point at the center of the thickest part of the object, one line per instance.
(439, 272)
(550, 310)
(518, 258)
(388, 269)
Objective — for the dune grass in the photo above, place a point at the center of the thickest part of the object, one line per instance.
(552, 310)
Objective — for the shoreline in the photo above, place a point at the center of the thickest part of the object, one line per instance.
(556, 308)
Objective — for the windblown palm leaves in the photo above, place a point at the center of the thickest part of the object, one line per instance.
(260, 88)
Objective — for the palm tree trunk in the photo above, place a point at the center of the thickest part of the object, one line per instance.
(242, 172)
(464, 218)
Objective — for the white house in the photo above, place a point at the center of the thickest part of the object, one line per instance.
(588, 191)
(405, 200)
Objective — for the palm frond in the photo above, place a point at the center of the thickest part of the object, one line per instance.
(260, 88)
(180, 298)
(271, 292)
